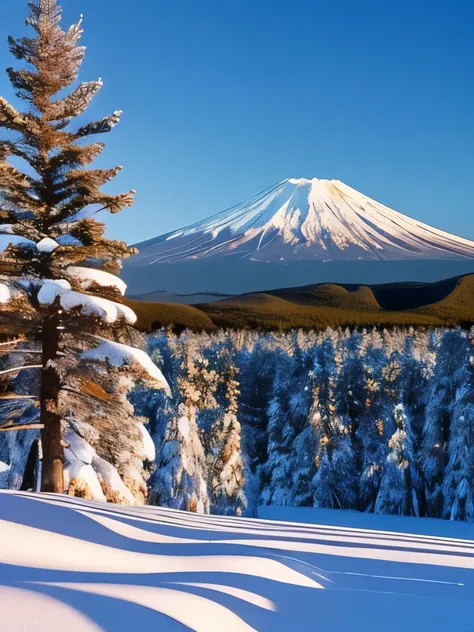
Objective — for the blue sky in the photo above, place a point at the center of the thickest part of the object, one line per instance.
(223, 98)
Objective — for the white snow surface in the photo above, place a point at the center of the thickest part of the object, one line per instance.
(78, 448)
(52, 288)
(98, 567)
(119, 354)
(47, 245)
(87, 276)
(183, 427)
(306, 219)
(108, 311)
(148, 447)
(108, 474)
(84, 475)
(5, 294)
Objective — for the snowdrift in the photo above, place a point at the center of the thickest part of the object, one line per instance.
(68, 564)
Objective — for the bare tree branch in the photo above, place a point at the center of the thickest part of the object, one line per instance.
(80, 394)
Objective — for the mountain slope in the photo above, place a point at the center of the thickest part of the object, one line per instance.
(300, 219)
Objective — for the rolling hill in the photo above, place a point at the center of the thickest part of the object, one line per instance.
(448, 302)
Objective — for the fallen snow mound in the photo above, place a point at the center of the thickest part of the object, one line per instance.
(95, 567)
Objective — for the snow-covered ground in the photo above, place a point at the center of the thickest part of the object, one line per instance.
(67, 564)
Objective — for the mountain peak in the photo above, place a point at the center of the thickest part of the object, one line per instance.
(306, 219)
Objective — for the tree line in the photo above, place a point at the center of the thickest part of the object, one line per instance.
(378, 421)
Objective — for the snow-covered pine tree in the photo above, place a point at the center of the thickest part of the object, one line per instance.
(334, 482)
(301, 408)
(372, 430)
(458, 488)
(180, 479)
(446, 380)
(395, 494)
(349, 395)
(60, 277)
(414, 381)
(226, 467)
(304, 447)
(276, 473)
(154, 403)
(257, 367)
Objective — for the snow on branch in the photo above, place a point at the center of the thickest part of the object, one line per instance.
(106, 310)
(5, 294)
(47, 245)
(51, 289)
(88, 276)
(148, 446)
(119, 354)
(100, 127)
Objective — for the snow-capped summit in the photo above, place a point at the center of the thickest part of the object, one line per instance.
(306, 219)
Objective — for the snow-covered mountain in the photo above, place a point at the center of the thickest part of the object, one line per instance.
(297, 232)
(300, 219)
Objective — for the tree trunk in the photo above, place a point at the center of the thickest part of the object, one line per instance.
(51, 435)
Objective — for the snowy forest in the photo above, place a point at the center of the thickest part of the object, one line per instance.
(375, 421)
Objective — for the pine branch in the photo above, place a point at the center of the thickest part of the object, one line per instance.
(12, 342)
(75, 103)
(100, 127)
(16, 428)
(21, 368)
(15, 397)
(25, 352)
(109, 403)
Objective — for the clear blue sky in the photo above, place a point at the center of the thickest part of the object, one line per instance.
(223, 98)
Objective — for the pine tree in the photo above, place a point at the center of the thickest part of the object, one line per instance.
(394, 496)
(372, 432)
(458, 488)
(414, 383)
(60, 277)
(277, 471)
(322, 414)
(350, 401)
(446, 379)
(257, 366)
(180, 478)
(227, 479)
(335, 481)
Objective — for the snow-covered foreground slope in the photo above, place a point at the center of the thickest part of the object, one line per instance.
(67, 564)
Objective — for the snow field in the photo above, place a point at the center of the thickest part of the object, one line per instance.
(93, 567)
